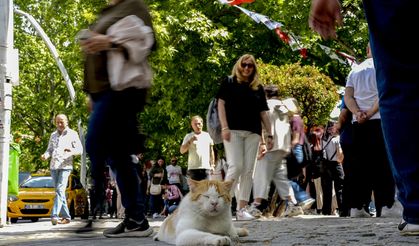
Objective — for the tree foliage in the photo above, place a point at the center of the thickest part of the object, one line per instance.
(315, 92)
(198, 43)
(42, 92)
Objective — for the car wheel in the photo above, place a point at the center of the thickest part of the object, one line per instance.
(72, 211)
(34, 219)
(13, 220)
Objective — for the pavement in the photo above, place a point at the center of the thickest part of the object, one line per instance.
(300, 230)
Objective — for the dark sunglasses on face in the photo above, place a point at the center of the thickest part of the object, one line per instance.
(249, 65)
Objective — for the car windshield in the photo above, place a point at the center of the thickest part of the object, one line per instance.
(23, 176)
(38, 182)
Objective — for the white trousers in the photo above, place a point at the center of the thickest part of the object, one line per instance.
(272, 167)
(241, 152)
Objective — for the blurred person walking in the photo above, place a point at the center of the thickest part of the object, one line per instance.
(271, 165)
(63, 144)
(397, 82)
(117, 79)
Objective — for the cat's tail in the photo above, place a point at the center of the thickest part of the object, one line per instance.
(242, 232)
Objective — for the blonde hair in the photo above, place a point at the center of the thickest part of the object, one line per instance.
(254, 83)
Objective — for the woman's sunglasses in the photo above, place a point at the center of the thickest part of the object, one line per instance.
(249, 65)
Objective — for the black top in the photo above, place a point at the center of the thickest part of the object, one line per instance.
(243, 105)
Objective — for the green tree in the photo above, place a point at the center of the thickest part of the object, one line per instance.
(42, 92)
(315, 92)
(198, 43)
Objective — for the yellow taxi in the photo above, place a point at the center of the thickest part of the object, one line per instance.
(36, 199)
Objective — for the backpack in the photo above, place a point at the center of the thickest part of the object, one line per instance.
(213, 122)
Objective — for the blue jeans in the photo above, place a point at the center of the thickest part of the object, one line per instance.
(60, 179)
(112, 138)
(169, 206)
(298, 153)
(300, 194)
(398, 86)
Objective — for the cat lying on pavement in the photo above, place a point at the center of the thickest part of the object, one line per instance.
(203, 217)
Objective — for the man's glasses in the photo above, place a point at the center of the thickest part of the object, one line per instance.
(249, 65)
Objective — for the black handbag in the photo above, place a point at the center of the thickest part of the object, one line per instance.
(293, 167)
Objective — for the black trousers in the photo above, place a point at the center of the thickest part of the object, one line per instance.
(370, 170)
(332, 176)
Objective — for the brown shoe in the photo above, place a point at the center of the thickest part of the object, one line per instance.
(64, 221)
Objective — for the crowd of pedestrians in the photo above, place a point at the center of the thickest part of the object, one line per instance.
(259, 129)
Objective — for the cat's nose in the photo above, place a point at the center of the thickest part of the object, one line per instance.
(214, 204)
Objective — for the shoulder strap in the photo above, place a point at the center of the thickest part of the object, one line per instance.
(323, 148)
(326, 151)
(332, 155)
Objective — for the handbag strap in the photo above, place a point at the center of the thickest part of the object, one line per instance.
(324, 148)
(162, 177)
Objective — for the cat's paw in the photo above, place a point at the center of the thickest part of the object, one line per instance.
(235, 240)
(219, 241)
(242, 232)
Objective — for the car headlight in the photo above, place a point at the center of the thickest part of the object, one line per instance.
(12, 198)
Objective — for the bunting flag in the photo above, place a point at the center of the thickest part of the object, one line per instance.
(288, 37)
(238, 2)
(349, 60)
(235, 2)
(258, 18)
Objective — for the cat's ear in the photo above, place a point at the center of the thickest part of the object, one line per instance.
(228, 184)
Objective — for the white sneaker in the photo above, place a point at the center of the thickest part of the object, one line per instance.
(254, 211)
(359, 213)
(408, 229)
(242, 214)
(306, 204)
(396, 211)
(293, 210)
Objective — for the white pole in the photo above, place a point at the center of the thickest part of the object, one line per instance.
(6, 47)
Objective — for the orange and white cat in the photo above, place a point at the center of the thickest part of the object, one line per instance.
(203, 217)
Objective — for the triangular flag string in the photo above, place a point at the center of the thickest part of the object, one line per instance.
(288, 37)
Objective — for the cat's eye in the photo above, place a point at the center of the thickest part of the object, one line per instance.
(205, 196)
